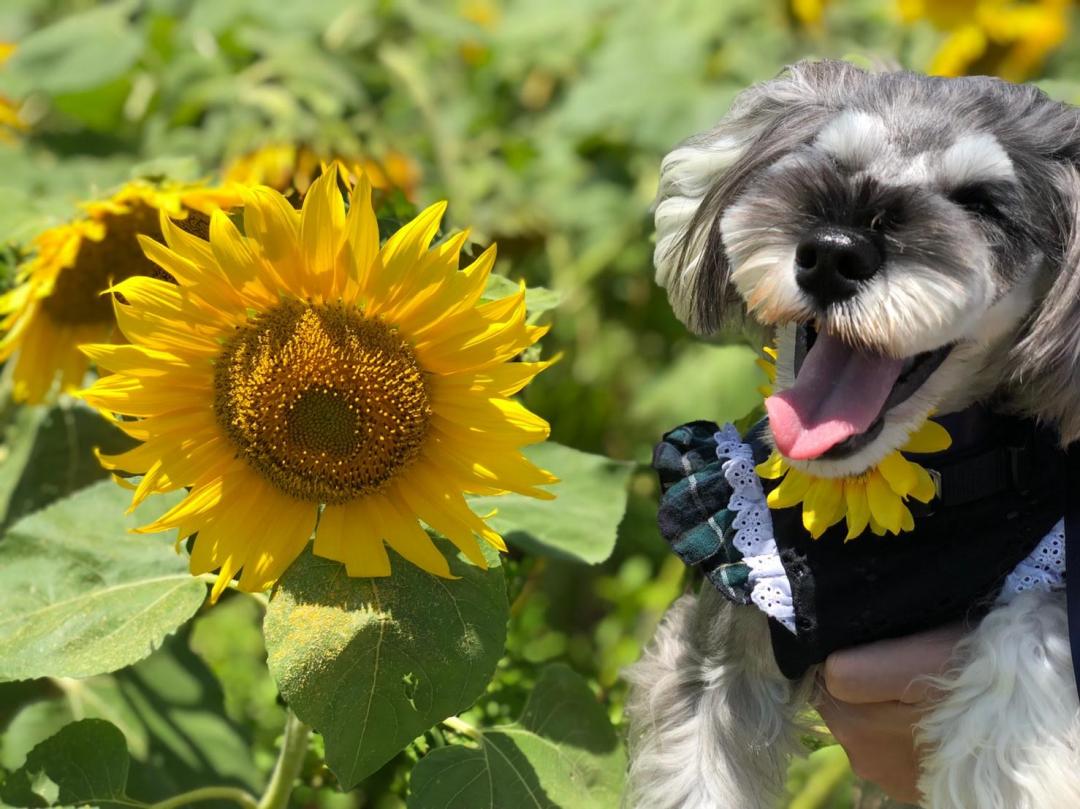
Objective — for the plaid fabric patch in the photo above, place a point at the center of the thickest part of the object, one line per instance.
(693, 515)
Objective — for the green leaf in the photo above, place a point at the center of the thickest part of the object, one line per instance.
(47, 453)
(80, 596)
(537, 299)
(561, 754)
(75, 53)
(581, 523)
(373, 663)
(170, 711)
(85, 763)
(719, 383)
(229, 638)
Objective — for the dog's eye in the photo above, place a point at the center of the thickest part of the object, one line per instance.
(977, 199)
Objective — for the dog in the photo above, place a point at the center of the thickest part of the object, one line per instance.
(932, 224)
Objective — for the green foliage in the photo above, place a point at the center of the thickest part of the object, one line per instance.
(372, 663)
(563, 751)
(47, 454)
(581, 523)
(170, 710)
(76, 53)
(81, 596)
(86, 762)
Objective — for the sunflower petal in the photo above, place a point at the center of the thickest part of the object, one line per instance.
(858, 509)
(885, 504)
(792, 490)
(773, 467)
(823, 506)
(929, 438)
(899, 473)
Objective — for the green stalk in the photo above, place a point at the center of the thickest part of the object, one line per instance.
(290, 761)
(238, 796)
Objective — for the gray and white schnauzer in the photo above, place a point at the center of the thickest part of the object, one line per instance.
(930, 229)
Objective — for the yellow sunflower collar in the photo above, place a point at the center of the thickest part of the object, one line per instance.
(874, 499)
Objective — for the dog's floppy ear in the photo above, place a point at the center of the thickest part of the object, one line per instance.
(1045, 362)
(705, 174)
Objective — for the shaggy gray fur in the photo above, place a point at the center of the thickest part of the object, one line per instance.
(713, 720)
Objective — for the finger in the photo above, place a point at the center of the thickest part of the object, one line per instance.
(890, 670)
(868, 722)
(878, 741)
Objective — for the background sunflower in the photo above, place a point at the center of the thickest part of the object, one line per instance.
(57, 301)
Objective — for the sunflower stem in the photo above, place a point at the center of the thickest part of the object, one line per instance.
(290, 760)
(459, 725)
(240, 797)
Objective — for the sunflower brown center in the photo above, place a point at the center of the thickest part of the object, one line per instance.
(328, 405)
(76, 297)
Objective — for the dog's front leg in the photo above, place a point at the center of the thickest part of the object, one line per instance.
(1005, 733)
(712, 720)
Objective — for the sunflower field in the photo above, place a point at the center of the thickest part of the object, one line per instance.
(332, 364)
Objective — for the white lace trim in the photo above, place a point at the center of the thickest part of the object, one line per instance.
(770, 588)
(1043, 569)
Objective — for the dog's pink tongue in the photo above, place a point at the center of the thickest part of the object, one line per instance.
(837, 394)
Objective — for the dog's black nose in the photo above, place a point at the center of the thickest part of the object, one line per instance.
(831, 261)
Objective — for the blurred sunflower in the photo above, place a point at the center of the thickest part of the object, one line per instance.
(56, 303)
(1005, 38)
(10, 121)
(299, 365)
(485, 15)
(288, 167)
(808, 12)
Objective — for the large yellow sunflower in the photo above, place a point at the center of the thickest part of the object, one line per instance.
(874, 499)
(57, 304)
(298, 365)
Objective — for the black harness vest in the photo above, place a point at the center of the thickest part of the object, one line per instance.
(1002, 487)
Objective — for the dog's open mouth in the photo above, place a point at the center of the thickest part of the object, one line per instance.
(840, 396)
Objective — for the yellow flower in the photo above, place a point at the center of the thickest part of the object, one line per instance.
(290, 167)
(1003, 37)
(808, 12)
(56, 303)
(485, 15)
(297, 379)
(874, 499)
(10, 120)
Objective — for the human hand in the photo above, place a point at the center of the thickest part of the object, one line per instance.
(873, 696)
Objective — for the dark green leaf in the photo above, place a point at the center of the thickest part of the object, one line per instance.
(79, 595)
(85, 763)
(581, 524)
(373, 663)
(537, 299)
(48, 454)
(170, 710)
(561, 754)
(719, 383)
